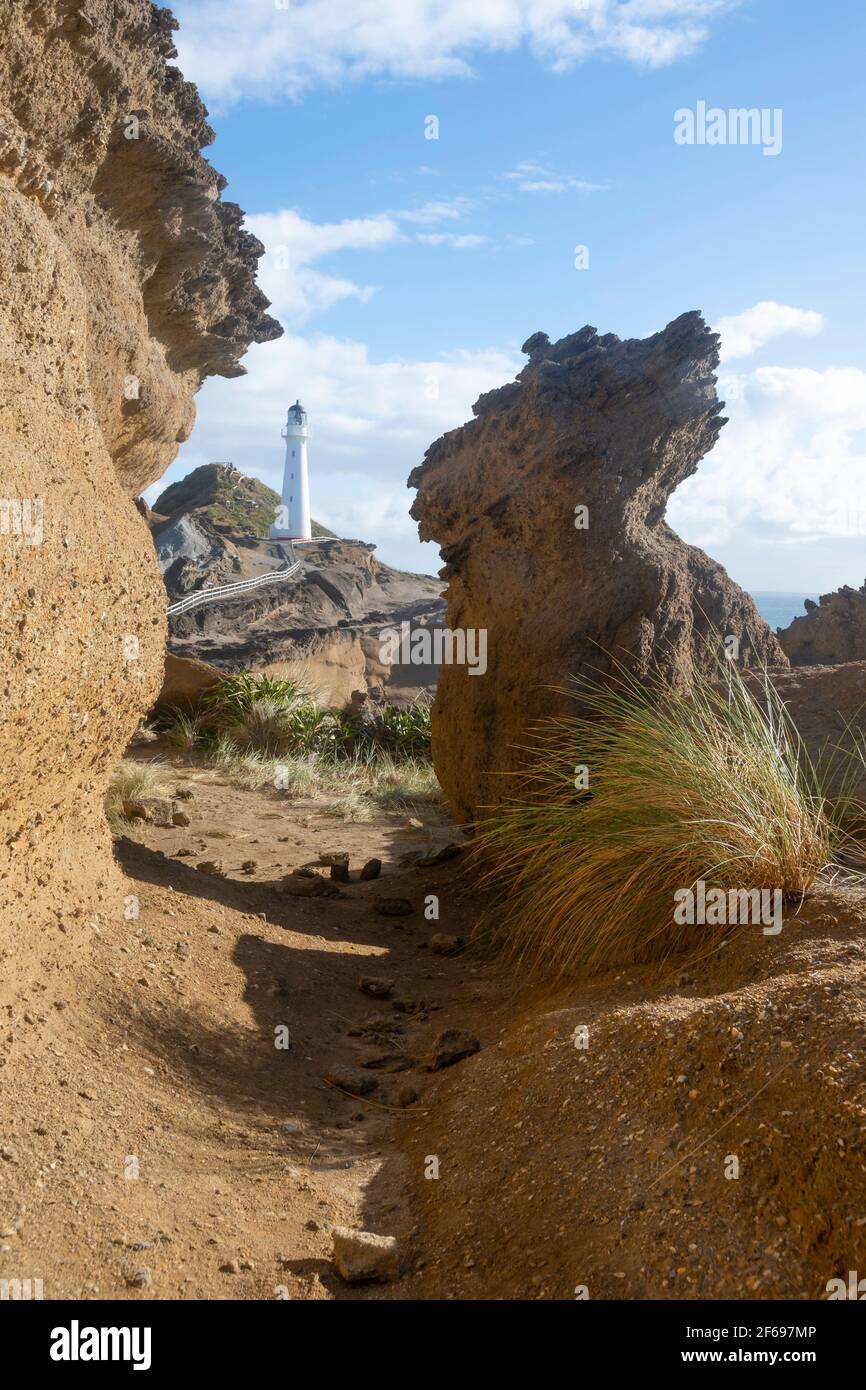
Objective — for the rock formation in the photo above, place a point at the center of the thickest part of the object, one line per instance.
(592, 423)
(211, 528)
(124, 281)
(830, 632)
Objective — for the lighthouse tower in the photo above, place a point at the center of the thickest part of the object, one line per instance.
(293, 518)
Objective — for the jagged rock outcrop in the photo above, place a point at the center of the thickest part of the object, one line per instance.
(592, 422)
(830, 632)
(124, 281)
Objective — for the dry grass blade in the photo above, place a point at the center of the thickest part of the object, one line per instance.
(708, 784)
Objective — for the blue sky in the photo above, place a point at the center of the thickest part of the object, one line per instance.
(407, 271)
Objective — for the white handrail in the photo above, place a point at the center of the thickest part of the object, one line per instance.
(227, 590)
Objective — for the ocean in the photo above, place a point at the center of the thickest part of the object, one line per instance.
(781, 609)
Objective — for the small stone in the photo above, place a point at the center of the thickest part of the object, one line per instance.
(450, 1047)
(231, 1267)
(301, 886)
(340, 872)
(371, 869)
(156, 810)
(402, 1096)
(357, 1083)
(210, 866)
(249, 866)
(393, 907)
(180, 818)
(215, 930)
(438, 856)
(386, 1061)
(444, 945)
(360, 1256)
(140, 1279)
(376, 986)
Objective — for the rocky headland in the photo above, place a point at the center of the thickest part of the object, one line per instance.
(211, 529)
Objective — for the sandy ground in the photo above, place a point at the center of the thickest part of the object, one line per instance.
(155, 1141)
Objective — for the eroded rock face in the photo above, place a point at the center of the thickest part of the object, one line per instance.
(123, 283)
(830, 632)
(612, 426)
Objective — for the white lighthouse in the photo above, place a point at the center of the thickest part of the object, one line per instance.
(293, 517)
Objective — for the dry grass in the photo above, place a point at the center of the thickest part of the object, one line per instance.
(356, 788)
(351, 806)
(130, 781)
(682, 787)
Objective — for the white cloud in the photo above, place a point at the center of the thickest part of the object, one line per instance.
(743, 334)
(790, 465)
(457, 242)
(292, 244)
(536, 178)
(257, 49)
(442, 210)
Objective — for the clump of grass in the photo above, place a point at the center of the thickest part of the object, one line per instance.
(405, 786)
(282, 716)
(261, 727)
(706, 783)
(184, 733)
(242, 767)
(131, 781)
(351, 806)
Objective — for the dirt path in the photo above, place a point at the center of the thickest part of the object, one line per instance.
(156, 1142)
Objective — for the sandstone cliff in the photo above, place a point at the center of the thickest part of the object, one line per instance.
(124, 281)
(597, 423)
(830, 632)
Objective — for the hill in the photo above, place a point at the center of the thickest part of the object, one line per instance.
(227, 497)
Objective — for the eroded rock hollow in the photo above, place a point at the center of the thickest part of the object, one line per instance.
(124, 281)
(549, 511)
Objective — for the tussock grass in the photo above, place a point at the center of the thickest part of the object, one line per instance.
(709, 783)
(184, 732)
(408, 786)
(130, 781)
(351, 806)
